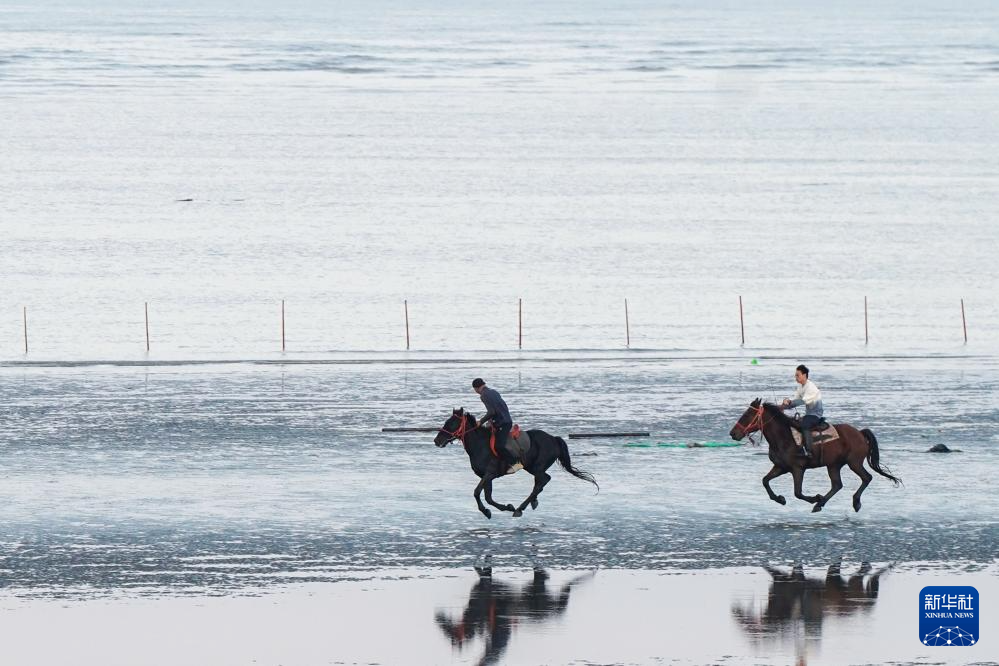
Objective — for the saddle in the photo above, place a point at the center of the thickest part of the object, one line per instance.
(822, 432)
(518, 443)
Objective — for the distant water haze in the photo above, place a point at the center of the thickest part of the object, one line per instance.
(348, 156)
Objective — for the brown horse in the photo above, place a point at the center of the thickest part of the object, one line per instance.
(850, 448)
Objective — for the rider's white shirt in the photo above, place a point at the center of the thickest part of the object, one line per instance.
(808, 394)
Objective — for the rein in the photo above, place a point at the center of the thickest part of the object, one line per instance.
(755, 424)
(462, 430)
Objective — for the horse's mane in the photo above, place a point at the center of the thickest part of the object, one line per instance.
(777, 414)
(465, 414)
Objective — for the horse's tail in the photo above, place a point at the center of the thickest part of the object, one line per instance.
(874, 457)
(566, 462)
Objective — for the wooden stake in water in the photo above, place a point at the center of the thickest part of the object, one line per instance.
(520, 323)
(964, 323)
(147, 326)
(25, 329)
(865, 320)
(282, 325)
(627, 326)
(742, 326)
(405, 307)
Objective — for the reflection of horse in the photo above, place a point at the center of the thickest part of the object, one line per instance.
(798, 604)
(494, 608)
(851, 448)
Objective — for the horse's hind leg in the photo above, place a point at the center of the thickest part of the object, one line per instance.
(865, 478)
(541, 479)
(837, 483)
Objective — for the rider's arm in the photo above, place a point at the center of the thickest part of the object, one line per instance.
(490, 411)
(809, 394)
(805, 395)
(796, 399)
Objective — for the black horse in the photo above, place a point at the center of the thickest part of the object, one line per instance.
(545, 450)
(495, 608)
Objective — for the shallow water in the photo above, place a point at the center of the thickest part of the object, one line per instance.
(198, 479)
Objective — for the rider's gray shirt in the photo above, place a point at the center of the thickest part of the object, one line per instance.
(496, 408)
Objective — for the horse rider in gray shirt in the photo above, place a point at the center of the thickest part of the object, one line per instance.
(496, 411)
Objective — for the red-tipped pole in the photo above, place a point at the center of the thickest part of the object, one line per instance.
(627, 326)
(964, 323)
(282, 326)
(25, 329)
(147, 326)
(742, 325)
(520, 323)
(865, 321)
(405, 307)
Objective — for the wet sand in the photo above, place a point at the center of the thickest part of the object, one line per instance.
(857, 614)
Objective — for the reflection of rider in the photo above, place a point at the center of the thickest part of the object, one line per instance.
(808, 394)
(496, 411)
(496, 607)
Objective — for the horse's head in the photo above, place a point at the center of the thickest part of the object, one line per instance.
(454, 428)
(750, 421)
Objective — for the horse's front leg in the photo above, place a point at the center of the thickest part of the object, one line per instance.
(799, 476)
(540, 481)
(478, 496)
(489, 495)
(771, 475)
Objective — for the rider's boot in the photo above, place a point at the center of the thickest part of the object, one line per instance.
(806, 442)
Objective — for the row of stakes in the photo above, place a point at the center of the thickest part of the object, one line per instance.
(520, 324)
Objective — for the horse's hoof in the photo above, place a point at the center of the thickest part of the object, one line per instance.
(856, 505)
(534, 504)
(780, 500)
(518, 513)
(487, 513)
(509, 507)
(816, 508)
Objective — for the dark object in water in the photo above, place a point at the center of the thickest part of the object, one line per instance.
(183, 199)
(940, 448)
(589, 435)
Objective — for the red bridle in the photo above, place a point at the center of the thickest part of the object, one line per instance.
(462, 430)
(756, 423)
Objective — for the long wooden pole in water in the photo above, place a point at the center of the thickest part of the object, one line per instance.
(25, 329)
(520, 323)
(742, 326)
(964, 323)
(405, 307)
(627, 326)
(865, 320)
(147, 325)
